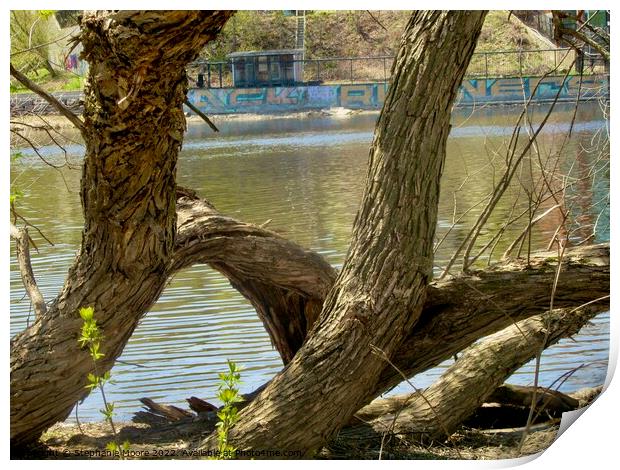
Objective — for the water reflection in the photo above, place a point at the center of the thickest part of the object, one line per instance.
(307, 175)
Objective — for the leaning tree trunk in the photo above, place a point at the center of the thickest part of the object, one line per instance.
(134, 127)
(380, 291)
(438, 411)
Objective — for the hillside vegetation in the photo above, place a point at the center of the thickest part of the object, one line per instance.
(357, 33)
(350, 33)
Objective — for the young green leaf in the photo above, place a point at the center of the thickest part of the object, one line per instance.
(87, 313)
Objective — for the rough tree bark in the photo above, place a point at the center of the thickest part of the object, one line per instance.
(379, 294)
(285, 283)
(134, 127)
(131, 244)
(441, 408)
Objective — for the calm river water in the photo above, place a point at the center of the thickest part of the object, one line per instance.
(307, 175)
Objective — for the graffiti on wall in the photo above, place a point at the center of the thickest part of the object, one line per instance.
(235, 100)
(231, 100)
(71, 59)
(354, 96)
(372, 95)
(511, 90)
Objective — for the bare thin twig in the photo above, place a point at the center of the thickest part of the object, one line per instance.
(49, 98)
(379, 352)
(376, 20)
(20, 235)
(561, 250)
(202, 115)
(38, 46)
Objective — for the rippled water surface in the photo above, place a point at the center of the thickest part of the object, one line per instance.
(306, 175)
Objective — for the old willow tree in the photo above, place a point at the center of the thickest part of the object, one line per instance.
(334, 331)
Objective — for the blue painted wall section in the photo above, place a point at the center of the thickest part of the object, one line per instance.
(372, 95)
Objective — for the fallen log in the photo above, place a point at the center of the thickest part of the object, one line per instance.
(546, 399)
(552, 402)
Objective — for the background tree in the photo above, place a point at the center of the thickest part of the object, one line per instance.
(33, 33)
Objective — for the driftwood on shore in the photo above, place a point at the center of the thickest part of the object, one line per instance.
(547, 400)
(170, 412)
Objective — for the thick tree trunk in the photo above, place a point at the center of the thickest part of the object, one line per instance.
(134, 129)
(380, 291)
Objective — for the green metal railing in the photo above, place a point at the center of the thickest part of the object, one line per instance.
(495, 64)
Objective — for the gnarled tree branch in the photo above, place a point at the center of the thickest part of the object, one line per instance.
(287, 284)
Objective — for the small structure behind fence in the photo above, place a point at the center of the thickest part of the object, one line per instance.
(267, 68)
(244, 69)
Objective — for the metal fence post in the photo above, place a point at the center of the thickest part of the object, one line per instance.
(351, 79)
(384, 71)
(220, 70)
(486, 65)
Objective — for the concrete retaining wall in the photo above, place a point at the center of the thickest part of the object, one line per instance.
(372, 95)
(353, 96)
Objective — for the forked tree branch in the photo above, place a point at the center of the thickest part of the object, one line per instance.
(62, 109)
(25, 268)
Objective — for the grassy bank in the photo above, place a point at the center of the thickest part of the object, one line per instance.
(351, 33)
(63, 81)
